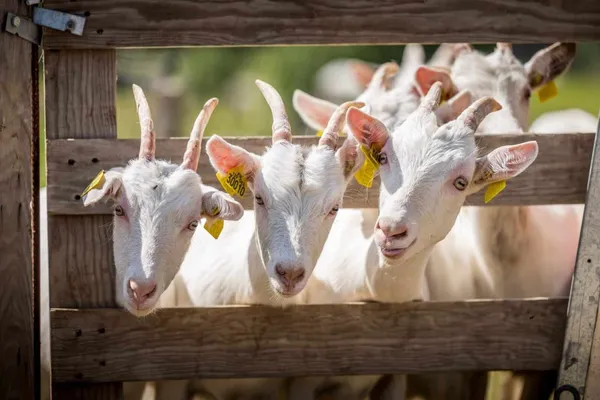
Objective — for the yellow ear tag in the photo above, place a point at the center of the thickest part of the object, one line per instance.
(547, 92)
(365, 175)
(95, 184)
(214, 226)
(234, 182)
(493, 190)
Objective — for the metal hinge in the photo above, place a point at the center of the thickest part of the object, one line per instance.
(43, 17)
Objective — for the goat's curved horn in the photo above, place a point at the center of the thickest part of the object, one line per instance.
(477, 111)
(384, 74)
(432, 99)
(335, 124)
(147, 140)
(192, 152)
(281, 126)
(503, 46)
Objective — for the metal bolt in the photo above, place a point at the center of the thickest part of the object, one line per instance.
(16, 21)
(70, 24)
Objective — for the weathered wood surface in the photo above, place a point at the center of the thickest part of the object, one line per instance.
(146, 23)
(580, 365)
(17, 346)
(559, 175)
(224, 342)
(80, 103)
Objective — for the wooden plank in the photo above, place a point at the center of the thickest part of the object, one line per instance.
(226, 342)
(580, 365)
(19, 364)
(559, 175)
(148, 23)
(80, 103)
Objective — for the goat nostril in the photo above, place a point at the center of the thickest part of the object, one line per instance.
(141, 291)
(279, 270)
(299, 275)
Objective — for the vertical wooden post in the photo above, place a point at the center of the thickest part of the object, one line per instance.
(80, 103)
(580, 365)
(19, 363)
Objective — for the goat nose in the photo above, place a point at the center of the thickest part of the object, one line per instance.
(140, 291)
(289, 275)
(392, 229)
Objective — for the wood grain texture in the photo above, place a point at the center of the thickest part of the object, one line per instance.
(80, 103)
(225, 342)
(579, 365)
(17, 345)
(147, 23)
(559, 175)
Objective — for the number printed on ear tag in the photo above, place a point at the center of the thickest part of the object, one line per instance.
(95, 184)
(365, 175)
(234, 182)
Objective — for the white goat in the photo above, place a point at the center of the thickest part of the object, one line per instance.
(505, 252)
(426, 174)
(297, 193)
(158, 206)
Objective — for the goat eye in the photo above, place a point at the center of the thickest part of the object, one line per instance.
(460, 183)
(259, 200)
(119, 212)
(334, 210)
(382, 159)
(193, 225)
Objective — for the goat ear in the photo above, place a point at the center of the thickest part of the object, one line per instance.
(503, 163)
(425, 77)
(349, 157)
(221, 205)
(109, 188)
(549, 63)
(313, 111)
(367, 130)
(450, 110)
(224, 157)
(362, 71)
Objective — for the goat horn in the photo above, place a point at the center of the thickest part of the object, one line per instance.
(192, 152)
(281, 126)
(476, 112)
(431, 101)
(336, 121)
(384, 74)
(147, 142)
(503, 46)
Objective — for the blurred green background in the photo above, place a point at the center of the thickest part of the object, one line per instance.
(178, 81)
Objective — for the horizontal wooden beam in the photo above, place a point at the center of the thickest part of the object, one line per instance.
(111, 345)
(558, 176)
(149, 23)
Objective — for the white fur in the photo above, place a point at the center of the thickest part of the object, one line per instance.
(299, 187)
(572, 120)
(541, 262)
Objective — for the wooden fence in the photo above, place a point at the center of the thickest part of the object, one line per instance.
(96, 346)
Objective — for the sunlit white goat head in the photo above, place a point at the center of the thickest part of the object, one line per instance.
(427, 171)
(502, 76)
(158, 206)
(297, 192)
